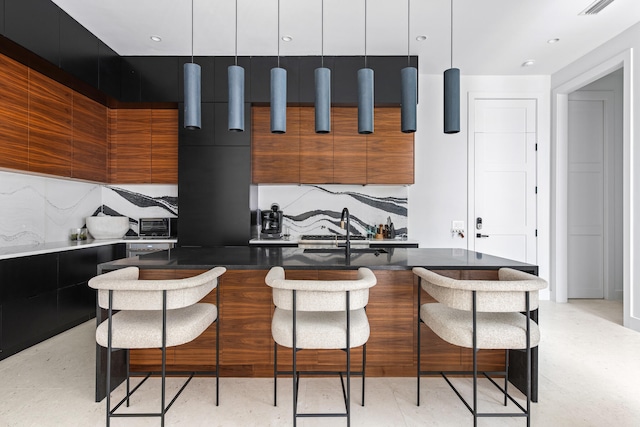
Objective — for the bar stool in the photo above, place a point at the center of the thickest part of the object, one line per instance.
(154, 314)
(482, 314)
(313, 314)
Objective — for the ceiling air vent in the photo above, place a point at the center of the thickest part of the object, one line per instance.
(596, 7)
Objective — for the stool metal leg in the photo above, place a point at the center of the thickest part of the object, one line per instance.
(418, 375)
(275, 374)
(295, 368)
(218, 347)
(364, 363)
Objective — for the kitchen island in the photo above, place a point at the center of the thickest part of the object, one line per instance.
(246, 347)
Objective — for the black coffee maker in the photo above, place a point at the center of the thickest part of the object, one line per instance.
(272, 223)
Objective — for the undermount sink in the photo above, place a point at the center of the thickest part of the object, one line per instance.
(342, 251)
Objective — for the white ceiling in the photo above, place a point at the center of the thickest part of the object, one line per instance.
(491, 37)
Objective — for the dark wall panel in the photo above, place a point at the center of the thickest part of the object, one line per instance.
(158, 77)
(35, 25)
(214, 187)
(130, 89)
(79, 52)
(344, 82)
(1, 32)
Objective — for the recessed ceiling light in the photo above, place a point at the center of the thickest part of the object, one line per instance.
(287, 38)
(552, 41)
(528, 63)
(421, 38)
(156, 38)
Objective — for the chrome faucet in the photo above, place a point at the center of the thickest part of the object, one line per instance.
(347, 245)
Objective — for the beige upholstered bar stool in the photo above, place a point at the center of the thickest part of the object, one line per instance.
(153, 314)
(483, 314)
(313, 314)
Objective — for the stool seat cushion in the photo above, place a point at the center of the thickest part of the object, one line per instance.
(143, 328)
(320, 329)
(494, 330)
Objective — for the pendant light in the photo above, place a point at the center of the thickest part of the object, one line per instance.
(409, 83)
(235, 76)
(192, 84)
(278, 92)
(365, 89)
(323, 90)
(452, 93)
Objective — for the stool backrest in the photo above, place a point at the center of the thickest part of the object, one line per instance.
(131, 293)
(507, 294)
(320, 295)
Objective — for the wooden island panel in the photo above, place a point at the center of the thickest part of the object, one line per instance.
(246, 346)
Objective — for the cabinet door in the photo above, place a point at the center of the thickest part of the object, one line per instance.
(389, 151)
(349, 147)
(110, 74)
(50, 127)
(316, 151)
(14, 114)
(130, 146)
(89, 139)
(164, 146)
(275, 158)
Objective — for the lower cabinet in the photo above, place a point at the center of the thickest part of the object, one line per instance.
(43, 295)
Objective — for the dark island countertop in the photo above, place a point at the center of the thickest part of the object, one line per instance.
(261, 258)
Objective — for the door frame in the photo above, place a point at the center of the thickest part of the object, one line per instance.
(543, 163)
(560, 100)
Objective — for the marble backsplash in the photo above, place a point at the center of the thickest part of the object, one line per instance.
(315, 209)
(38, 209)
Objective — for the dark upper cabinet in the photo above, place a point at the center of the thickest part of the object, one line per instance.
(345, 79)
(129, 81)
(214, 185)
(386, 80)
(222, 134)
(110, 73)
(221, 80)
(79, 53)
(207, 79)
(1, 32)
(158, 77)
(203, 136)
(35, 25)
(306, 70)
(261, 77)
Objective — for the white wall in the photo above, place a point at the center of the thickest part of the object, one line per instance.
(440, 195)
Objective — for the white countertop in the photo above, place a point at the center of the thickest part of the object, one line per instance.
(27, 250)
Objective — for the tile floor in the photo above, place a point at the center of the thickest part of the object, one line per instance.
(589, 376)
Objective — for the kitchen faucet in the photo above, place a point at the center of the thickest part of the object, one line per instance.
(347, 246)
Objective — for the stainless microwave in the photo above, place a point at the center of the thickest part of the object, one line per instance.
(158, 227)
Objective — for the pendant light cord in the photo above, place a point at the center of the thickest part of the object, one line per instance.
(365, 33)
(278, 33)
(192, 31)
(408, 33)
(236, 46)
(322, 35)
(451, 34)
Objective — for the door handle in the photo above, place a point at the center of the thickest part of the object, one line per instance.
(480, 236)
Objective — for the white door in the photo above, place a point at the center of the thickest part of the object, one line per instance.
(588, 214)
(502, 218)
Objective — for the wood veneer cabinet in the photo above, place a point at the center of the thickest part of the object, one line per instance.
(90, 143)
(14, 114)
(341, 157)
(275, 158)
(143, 146)
(50, 126)
(246, 345)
